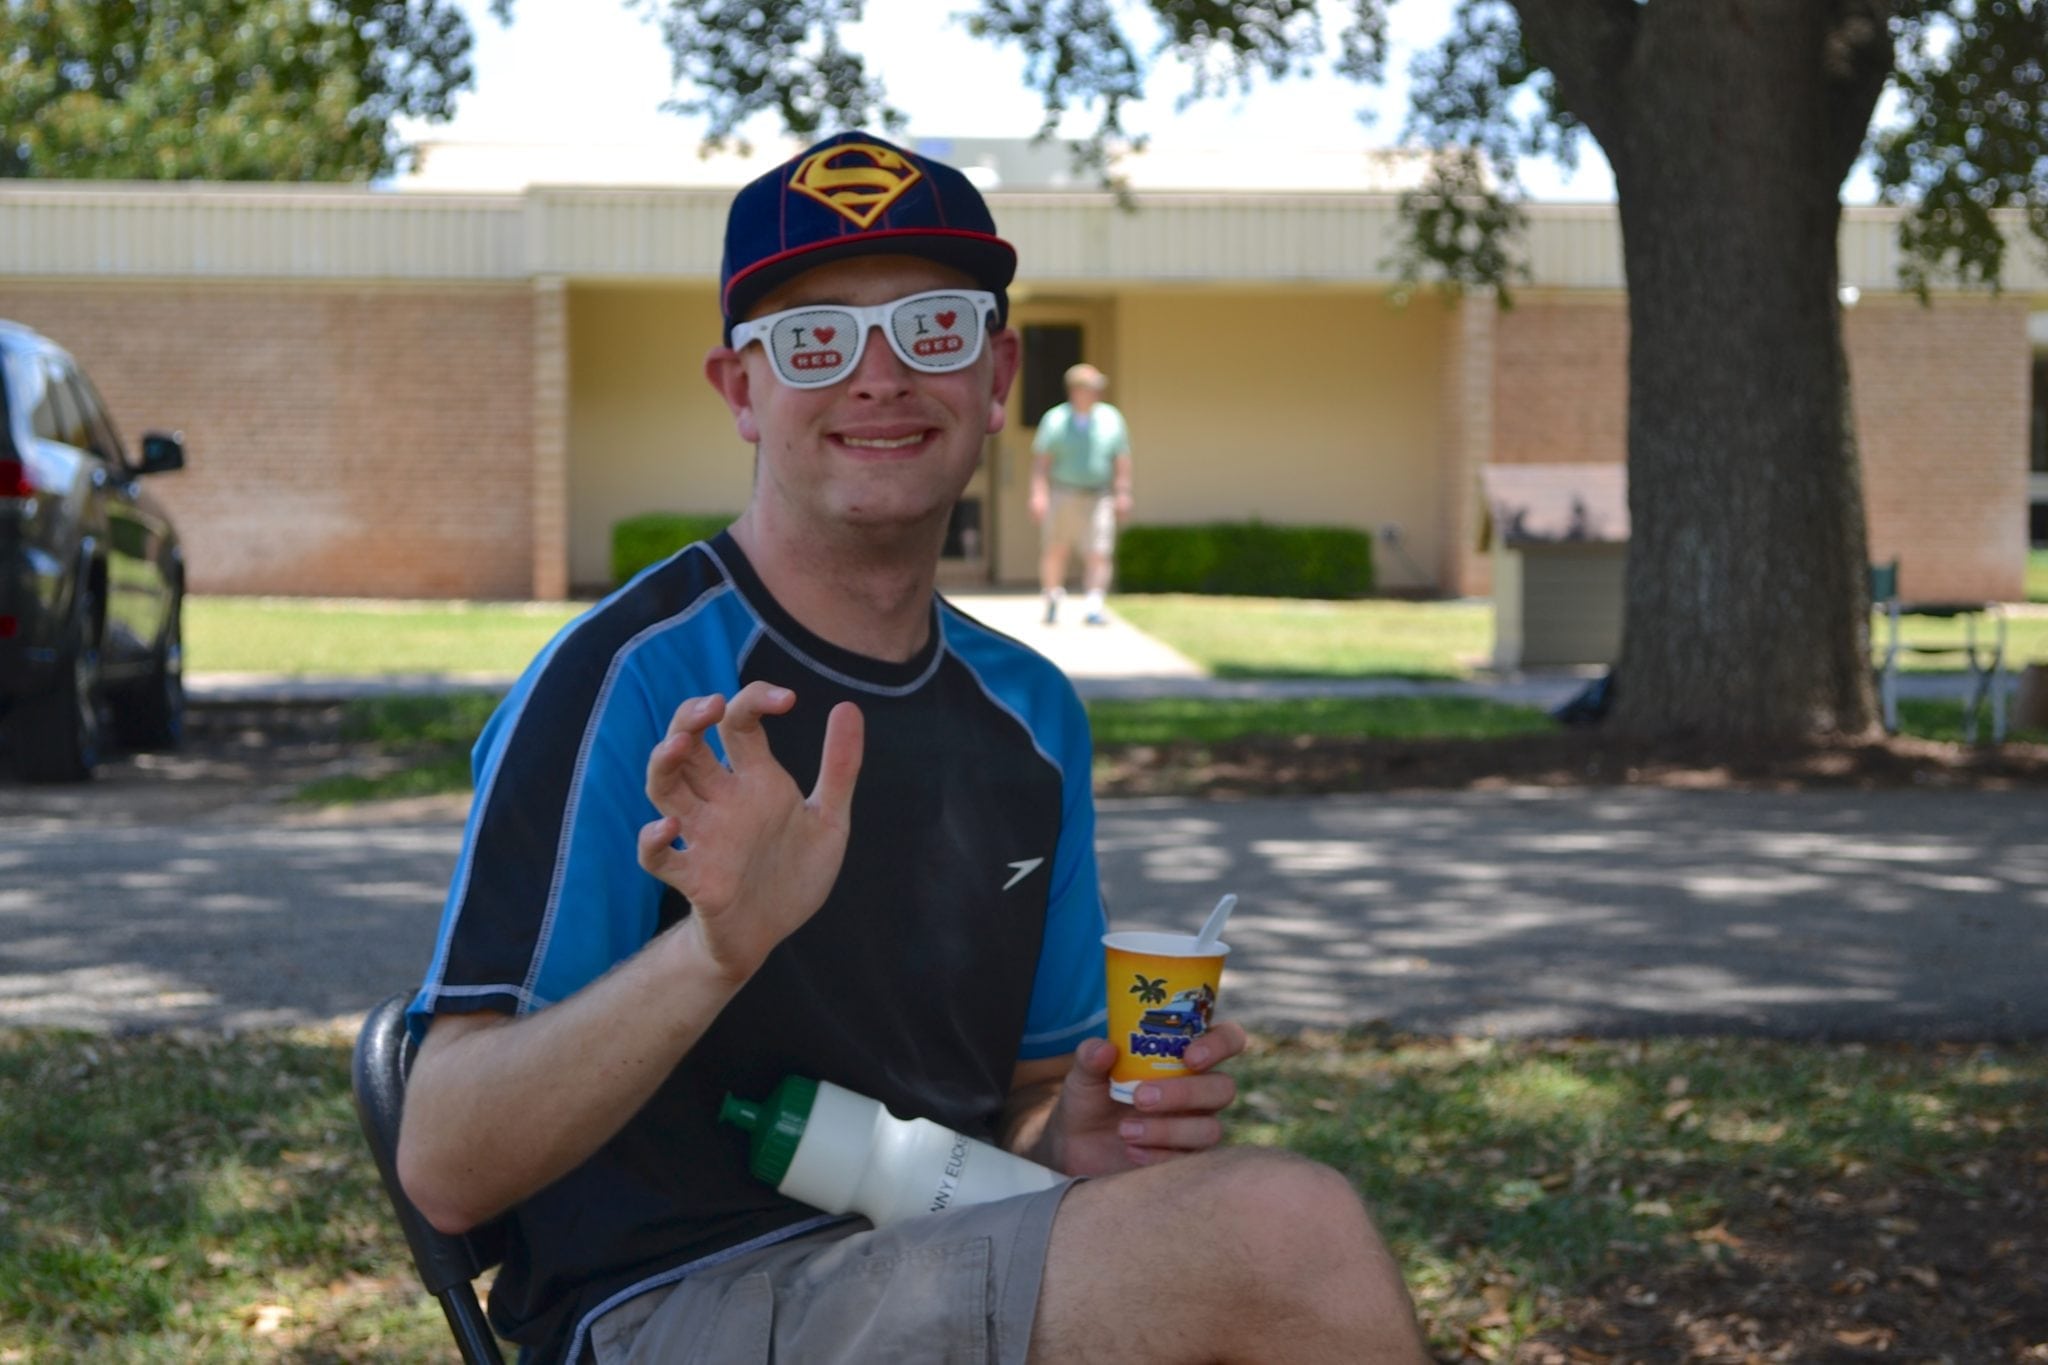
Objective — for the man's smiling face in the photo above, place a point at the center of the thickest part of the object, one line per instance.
(887, 446)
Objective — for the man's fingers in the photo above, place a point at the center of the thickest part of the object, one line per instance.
(839, 764)
(1084, 1096)
(746, 744)
(681, 773)
(1181, 1133)
(1094, 1058)
(696, 715)
(1217, 1046)
(1205, 1094)
(658, 853)
(681, 769)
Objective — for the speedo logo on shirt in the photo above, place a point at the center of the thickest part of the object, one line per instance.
(1021, 869)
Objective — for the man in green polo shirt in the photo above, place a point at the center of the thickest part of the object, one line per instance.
(1080, 490)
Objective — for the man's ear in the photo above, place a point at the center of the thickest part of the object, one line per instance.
(1008, 351)
(727, 373)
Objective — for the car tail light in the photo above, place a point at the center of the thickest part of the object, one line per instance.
(9, 627)
(14, 480)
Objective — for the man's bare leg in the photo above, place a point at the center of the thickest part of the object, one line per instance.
(1052, 576)
(1234, 1255)
(1095, 570)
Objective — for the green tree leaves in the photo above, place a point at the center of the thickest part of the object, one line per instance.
(1965, 137)
(1972, 83)
(221, 89)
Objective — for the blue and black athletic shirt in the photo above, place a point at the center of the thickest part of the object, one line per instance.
(962, 936)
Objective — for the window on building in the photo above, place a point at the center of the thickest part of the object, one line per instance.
(2039, 462)
(1050, 349)
(2037, 457)
(963, 531)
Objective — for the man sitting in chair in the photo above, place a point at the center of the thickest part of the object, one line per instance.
(775, 807)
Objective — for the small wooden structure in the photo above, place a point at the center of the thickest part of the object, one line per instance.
(1559, 536)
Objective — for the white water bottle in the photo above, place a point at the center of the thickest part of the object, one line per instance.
(823, 1145)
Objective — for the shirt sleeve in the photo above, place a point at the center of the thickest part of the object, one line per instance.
(1049, 428)
(1069, 994)
(548, 893)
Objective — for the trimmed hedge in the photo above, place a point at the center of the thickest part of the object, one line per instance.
(649, 539)
(1245, 559)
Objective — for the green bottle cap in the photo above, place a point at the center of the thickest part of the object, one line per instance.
(776, 1123)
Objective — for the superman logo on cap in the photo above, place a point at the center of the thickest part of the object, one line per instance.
(856, 180)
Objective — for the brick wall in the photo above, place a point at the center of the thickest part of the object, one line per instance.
(1942, 410)
(386, 440)
(1560, 381)
(342, 440)
(1941, 401)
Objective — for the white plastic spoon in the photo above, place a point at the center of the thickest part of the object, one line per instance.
(1212, 928)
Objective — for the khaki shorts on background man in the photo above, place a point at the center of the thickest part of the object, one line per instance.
(1082, 517)
(959, 1288)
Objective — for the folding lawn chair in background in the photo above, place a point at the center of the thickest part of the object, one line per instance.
(446, 1263)
(1987, 673)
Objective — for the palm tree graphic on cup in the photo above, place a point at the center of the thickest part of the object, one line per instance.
(1150, 991)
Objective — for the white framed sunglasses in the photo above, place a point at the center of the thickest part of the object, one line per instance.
(936, 332)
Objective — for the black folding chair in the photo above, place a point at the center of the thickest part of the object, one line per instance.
(446, 1263)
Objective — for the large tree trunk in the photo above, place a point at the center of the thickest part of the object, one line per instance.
(1747, 593)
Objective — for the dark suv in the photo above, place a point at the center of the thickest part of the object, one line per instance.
(92, 580)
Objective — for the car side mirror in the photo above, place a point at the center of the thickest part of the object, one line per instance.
(162, 453)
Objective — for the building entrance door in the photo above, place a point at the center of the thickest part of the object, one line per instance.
(991, 538)
(966, 559)
(1056, 334)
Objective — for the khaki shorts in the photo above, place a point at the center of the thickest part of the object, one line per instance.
(959, 1288)
(1082, 517)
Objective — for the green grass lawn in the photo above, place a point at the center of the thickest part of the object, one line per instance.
(1158, 720)
(308, 636)
(1234, 637)
(205, 1199)
(430, 737)
(1258, 637)
(2026, 641)
(1272, 637)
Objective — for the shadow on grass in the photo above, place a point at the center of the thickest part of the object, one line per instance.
(208, 1198)
(195, 1200)
(1285, 673)
(1513, 1178)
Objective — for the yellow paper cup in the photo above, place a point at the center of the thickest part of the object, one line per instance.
(1162, 996)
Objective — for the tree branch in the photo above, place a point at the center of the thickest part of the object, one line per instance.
(1857, 57)
(1587, 45)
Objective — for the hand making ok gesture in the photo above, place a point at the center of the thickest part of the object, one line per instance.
(758, 858)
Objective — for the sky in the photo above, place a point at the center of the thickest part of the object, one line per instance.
(592, 71)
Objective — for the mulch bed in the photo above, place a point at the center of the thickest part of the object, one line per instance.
(1947, 1266)
(1305, 766)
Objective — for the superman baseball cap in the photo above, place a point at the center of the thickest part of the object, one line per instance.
(856, 195)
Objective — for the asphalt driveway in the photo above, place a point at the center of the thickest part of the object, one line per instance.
(1884, 914)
